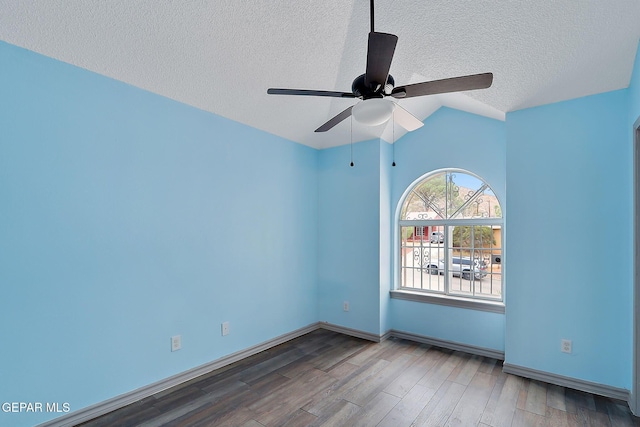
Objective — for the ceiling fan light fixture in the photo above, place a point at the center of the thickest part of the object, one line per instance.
(373, 112)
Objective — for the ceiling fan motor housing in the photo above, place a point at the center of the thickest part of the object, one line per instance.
(361, 90)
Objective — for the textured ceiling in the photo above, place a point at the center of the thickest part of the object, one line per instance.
(221, 56)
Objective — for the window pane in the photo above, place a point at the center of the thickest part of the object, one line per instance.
(475, 261)
(491, 254)
(419, 259)
(427, 199)
(451, 195)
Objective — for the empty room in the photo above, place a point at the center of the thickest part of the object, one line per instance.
(335, 213)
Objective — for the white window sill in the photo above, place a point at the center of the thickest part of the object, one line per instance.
(471, 304)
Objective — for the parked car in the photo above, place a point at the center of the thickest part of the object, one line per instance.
(436, 237)
(461, 266)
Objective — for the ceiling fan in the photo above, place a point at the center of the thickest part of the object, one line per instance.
(376, 84)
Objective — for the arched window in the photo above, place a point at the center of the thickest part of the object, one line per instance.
(450, 237)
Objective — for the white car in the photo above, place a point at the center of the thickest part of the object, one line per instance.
(436, 237)
(461, 266)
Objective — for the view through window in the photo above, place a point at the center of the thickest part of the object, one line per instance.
(450, 232)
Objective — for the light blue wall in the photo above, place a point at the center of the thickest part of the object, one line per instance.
(634, 116)
(349, 236)
(569, 246)
(634, 90)
(127, 218)
(450, 139)
(386, 228)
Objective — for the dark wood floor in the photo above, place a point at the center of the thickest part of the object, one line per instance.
(329, 379)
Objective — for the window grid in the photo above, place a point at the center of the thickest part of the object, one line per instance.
(453, 245)
(450, 268)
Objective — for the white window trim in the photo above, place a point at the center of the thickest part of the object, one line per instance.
(473, 303)
(449, 300)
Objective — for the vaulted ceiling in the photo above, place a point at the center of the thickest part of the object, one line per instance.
(222, 55)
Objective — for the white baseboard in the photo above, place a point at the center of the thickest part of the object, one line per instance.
(101, 408)
(349, 331)
(385, 336)
(451, 345)
(576, 384)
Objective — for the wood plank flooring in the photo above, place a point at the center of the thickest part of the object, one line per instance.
(329, 379)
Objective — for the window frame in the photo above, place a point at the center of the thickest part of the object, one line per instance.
(445, 297)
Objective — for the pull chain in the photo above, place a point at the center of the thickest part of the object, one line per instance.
(351, 124)
(393, 137)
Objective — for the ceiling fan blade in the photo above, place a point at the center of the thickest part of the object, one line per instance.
(379, 55)
(334, 121)
(454, 84)
(406, 119)
(276, 91)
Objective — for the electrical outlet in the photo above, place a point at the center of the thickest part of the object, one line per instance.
(345, 306)
(565, 346)
(176, 342)
(225, 328)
